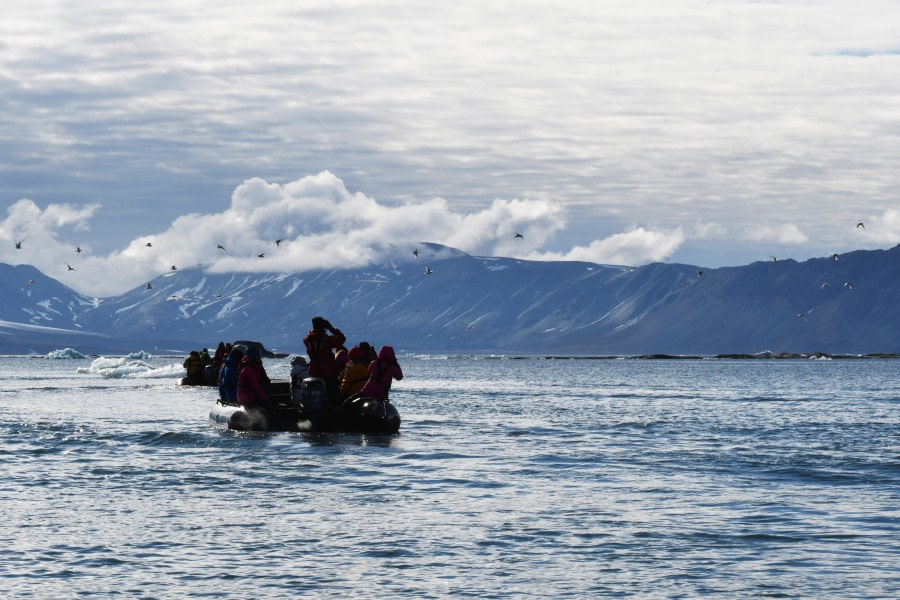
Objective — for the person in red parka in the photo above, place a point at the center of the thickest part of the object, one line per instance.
(382, 371)
(250, 390)
(320, 347)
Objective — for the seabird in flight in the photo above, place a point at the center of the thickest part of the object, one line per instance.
(848, 285)
(802, 316)
(825, 285)
(835, 256)
(519, 235)
(149, 285)
(261, 255)
(860, 224)
(149, 245)
(416, 253)
(699, 273)
(278, 242)
(78, 250)
(19, 245)
(174, 268)
(428, 270)
(774, 258)
(70, 267)
(222, 248)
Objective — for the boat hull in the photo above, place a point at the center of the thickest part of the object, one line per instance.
(365, 415)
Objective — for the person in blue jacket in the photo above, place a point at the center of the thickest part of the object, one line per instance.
(228, 376)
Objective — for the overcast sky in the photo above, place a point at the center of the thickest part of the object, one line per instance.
(706, 132)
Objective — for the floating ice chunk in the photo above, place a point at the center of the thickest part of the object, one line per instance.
(139, 355)
(65, 353)
(125, 367)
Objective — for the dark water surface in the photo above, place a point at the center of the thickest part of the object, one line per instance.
(510, 478)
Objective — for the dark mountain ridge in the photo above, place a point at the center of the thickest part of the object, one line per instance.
(482, 305)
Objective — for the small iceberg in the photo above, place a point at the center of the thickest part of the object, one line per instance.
(130, 368)
(65, 353)
(139, 355)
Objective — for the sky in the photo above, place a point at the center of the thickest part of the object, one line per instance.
(712, 133)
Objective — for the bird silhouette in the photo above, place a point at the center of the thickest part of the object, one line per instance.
(70, 267)
(19, 245)
(519, 235)
(222, 248)
(825, 285)
(174, 268)
(416, 253)
(261, 255)
(149, 285)
(802, 316)
(30, 281)
(278, 242)
(699, 273)
(428, 270)
(149, 245)
(78, 250)
(860, 224)
(835, 257)
(848, 285)
(774, 258)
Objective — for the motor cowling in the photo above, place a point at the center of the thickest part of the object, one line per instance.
(312, 394)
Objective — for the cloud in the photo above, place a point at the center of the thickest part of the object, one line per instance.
(780, 234)
(634, 247)
(884, 228)
(317, 222)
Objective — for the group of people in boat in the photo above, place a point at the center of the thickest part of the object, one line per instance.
(358, 371)
(347, 373)
(195, 365)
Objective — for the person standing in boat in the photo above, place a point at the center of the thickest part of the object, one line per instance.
(299, 372)
(320, 347)
(382, 371)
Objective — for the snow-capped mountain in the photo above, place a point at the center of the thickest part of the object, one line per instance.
(470, 304)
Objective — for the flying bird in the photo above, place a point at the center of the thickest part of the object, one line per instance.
(469, 325)
(835, 257)
(802, 316)
(149, 245)
(261, 255)
(860, 224)
(30, 281)
(174, 297)
(149, 285)
(174, 268)
(848, 285)
(428, 270)
(416, 253)
(278, 242)
(78, 250)
(825, 285)
(222, 248)
(519, 235)
(774, 258)
(699, 273)
(70, 267)
(19, 245)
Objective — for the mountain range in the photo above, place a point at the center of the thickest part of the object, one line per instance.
(847, 304)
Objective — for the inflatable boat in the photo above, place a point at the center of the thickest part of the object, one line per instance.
(305, 409)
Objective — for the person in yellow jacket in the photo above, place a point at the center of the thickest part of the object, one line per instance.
(194, 366)
(355, 374)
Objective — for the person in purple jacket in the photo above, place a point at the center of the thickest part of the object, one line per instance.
(382, 371)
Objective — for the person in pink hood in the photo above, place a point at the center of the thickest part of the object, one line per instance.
(250, 390)
(382, 371)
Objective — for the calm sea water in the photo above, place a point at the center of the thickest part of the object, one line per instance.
(510, 478)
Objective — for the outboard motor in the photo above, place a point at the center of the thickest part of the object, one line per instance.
(312, 395)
